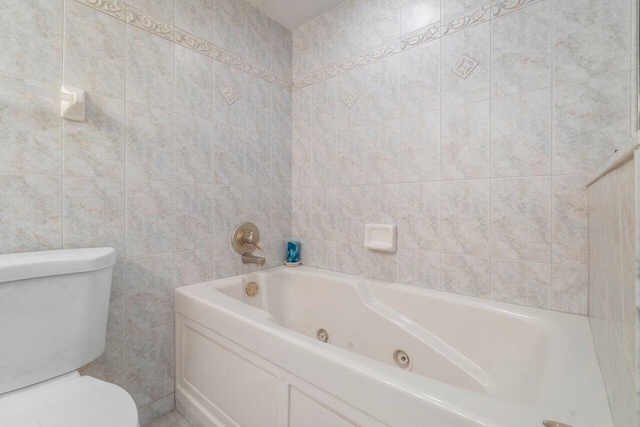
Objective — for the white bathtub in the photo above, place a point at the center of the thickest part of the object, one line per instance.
(257, 361)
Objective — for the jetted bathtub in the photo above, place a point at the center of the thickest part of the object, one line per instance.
(317, 348)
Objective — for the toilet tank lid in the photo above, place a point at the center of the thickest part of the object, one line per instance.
(29, 265)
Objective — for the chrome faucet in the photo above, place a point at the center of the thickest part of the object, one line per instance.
(245, 240)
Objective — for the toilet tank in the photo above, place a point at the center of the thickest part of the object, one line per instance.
(53, 312)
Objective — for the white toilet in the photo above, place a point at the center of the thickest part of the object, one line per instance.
(53, 320)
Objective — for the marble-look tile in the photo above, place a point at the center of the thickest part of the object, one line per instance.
(466, 141)
(193, 222)
(521, 48)
(323, 107)
(193, 147)
(226, 262)
(521, 283)
(324, 159)
(281, 162)
(280, 201)
(381, 265)
(475, 43)
(380, 204)
(419, 216)
(150, 288)
(93, 213)
(350, 23)
(570, 220)
(419, 151)
(31, 37)
(323, 213)
(193, 267)
(149, 218)
(94, 51)
(570, 289)
(521, 134)
(590, 118)
(228, 155)
(351, 101)
(350, 259)
(628, 196)
(415, 14)
(163, 9)
(229, 23)
(282, 40)
(30, 213)
(229, 82)
(196, 17)
(419, 268)
(281, 111)
(227, 212)
(149, 365)
(454, 7)
(258, 43)
(383, 89)
(349, 215)
(30, 131)
(116, 321)
(318, 253)
(521, 219)
(193, 83)
(95, 147)
(314, 44)
(160, 413)
(382, 21)
(258, 105)
(419, 72)
(465, 216)
(110, 365)
(301, 199)
(466, 275)
(381, 153)
(149, 143)
(149, 69)
(257, 157)
(593, 38)
(350, 161)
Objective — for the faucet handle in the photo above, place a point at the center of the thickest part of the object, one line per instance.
(250, 237)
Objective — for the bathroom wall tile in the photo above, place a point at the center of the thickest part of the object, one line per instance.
(301, 205)
(258, 37)
(229, 25)
(521, 283)
(30, 131)
(228, 155)
(419, 151)
(93, 213)
(323, 112)
(521, 219)
(116, 321)
(381, 153)
(258, 105)
(149, 365)
(585, 43)
(193, 83)
(350, 101)
(150, 288)
(419, 73)
(419, 268)
(415, 14)
(348, 214)
(350, 259)
(466, 144)
(318, 253)
(419, 216)
(281, 162)
(32, 39)
(383, 89)
(110, 365)
(149, 69)
(258, 159)
(323, 212)
(193, 147)
(149, 218)
(381, 266)
(380, 204)
(163, 9)
(350, 22)
(193, 267)
(521, 134)
(226, 262)
(282, 40)
(473, 85)
(314, 44)
(94, 52)
(570, 289)
(466, 275)
(228, 208)
(280, 200)
(465, 216)
(382, 21)
(229, 82)
(281, 111)
(30, 213)
(570, 220)
(628, 197)
(193, 222)
(149, 143)
(454, 7)
(157, 410)
(324, 159)
(95, 147)
(590, 119)
(350, 156)
(196, 17)
(521, 45)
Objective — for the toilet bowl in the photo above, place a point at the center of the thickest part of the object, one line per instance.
(53, 320)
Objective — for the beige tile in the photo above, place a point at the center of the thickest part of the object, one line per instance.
(193, 145)
(193, 267)
(570, 289)
(381, 153)
(149, 143)
(229, 21)
(419, 216)
(521, 283)
(195, 16)
(149, 218)
(465, 216)
(419, 152)
(193, 217)
(419, 268)
(466, 275)
(419, 72)
(193, 83)
(570, 220)
(110, 365)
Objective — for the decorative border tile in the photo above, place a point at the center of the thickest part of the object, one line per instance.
(114, 8)
(148, 23)
(192, 42)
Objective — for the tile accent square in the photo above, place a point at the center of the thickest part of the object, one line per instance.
(229, 95)
(464, 67)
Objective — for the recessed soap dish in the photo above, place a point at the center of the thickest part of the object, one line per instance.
(380, 237)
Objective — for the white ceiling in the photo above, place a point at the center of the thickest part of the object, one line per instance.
(293, 13)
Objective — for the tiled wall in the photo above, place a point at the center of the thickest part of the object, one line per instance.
(472, 125)
(188, 133)
(613, 283)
